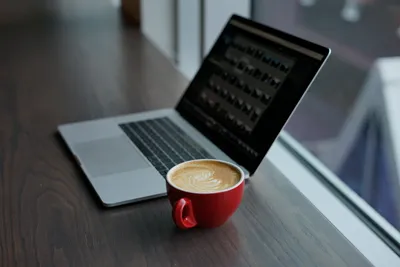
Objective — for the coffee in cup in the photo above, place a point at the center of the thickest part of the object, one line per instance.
(205, 176)
(204, 193)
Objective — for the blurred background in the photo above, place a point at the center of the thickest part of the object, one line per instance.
(349, 120)
(345, 120)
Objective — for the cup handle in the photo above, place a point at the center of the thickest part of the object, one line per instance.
(182, 214)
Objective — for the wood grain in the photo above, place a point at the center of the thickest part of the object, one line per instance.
(62, 70)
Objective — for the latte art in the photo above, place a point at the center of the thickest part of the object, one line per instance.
(205, 176)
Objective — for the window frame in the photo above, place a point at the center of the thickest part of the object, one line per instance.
(377, 239)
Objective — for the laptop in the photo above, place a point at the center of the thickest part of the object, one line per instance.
(241, 97)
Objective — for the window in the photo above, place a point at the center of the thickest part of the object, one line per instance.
(350, 118)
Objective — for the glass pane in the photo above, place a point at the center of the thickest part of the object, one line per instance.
(350, 119)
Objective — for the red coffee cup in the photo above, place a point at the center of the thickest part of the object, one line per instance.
(190, 209)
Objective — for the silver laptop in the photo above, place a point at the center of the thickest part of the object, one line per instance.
(236, 105)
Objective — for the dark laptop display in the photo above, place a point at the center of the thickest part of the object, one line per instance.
(248, 86)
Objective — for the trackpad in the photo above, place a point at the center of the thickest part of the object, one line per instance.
(109, 155)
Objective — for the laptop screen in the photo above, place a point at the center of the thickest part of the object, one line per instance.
(248, 86)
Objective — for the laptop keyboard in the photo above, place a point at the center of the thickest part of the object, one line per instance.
(163, 143)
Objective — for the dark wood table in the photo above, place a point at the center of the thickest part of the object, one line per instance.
(62, 70)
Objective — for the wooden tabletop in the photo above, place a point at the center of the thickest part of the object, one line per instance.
(59, 71)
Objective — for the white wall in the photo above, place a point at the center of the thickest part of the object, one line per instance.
(216, 15)
(188, 33)
(157, 24)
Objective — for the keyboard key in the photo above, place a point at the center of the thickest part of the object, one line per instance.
(159, 165)
(152, 159)
(163, 173)
(170, 164)
(163, 143)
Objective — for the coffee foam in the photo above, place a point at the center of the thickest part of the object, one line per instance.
(205, 176)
